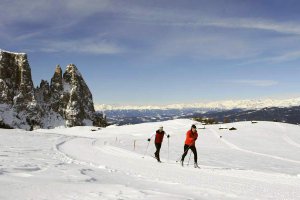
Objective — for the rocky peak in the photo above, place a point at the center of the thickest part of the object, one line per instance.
(71, 73)
(78, 98)
(42, 92)
(56, 80)
(56, 88)
(57, 77)
(67, 100)
(17, 84)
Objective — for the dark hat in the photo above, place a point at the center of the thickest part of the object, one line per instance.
(194, 126)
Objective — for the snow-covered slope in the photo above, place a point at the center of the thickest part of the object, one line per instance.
(222, 105)
(258, 161)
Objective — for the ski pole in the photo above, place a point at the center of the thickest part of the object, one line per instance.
(189, 158)
(146, 149)
(149, 139)
(168, 149)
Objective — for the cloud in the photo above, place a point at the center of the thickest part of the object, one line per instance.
(56, 22)
(22, 20)
(39, 10)
(257, 83)
(82, 46)
(281, 57)
(181, 18)
(255, 23)
(288, 56)
(206, 46)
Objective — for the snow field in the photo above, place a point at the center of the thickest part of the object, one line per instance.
(257, 161)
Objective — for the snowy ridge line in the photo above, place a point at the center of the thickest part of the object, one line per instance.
(223, 105)
(233, 146)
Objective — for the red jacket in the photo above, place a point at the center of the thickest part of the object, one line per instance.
(191, 138)
(159, 136)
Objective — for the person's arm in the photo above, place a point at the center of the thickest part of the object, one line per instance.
(196, 136)
(149, 139)
(168, 135)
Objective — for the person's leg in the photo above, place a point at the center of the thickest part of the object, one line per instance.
(158, 146)
(156, 152)
(194, 150)
(185, 150)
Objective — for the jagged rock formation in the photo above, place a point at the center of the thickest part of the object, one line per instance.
(67, 100)
(42, 93)
(79, 106)
(56, 89)
(15, 80)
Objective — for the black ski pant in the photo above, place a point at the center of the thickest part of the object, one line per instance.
(186, 149)
(158, 146)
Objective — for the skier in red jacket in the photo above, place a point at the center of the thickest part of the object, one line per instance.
(159, 136)
(191, 137)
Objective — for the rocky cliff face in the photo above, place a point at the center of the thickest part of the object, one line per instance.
(67, 100)
(77, 98)
(15, 80)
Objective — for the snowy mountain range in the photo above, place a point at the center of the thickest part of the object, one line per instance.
(286, 110)
(216, 105)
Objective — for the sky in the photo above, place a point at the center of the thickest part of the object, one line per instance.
(137, 52)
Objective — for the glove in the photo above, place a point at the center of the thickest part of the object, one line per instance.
(149, 139)
(168, 136)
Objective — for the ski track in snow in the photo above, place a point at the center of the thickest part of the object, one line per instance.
(231, 145)
(287, 138)
(290, 141)
(124, 155)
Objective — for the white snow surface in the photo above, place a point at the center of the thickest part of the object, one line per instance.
(257, 161)
(224, 105)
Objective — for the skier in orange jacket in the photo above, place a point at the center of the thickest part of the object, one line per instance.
(191, 137)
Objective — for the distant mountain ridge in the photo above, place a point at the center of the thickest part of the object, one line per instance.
(216, 105)
(286, 114)
(286, 110)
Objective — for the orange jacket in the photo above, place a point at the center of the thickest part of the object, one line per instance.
(191, 138)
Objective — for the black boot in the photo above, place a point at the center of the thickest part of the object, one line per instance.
(157, 157)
